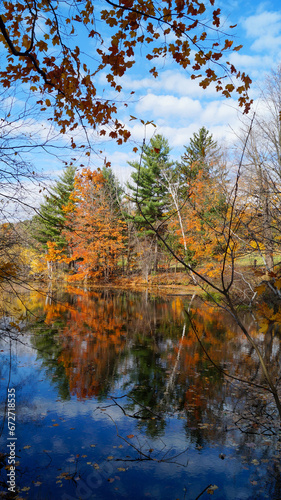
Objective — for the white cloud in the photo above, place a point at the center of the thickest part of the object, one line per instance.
(219, 112)
(265, 28)
(178, 117)
(262, 23)
(267, 42)
(179, 137)
(175, 82)
(167, 106)
(247, 62)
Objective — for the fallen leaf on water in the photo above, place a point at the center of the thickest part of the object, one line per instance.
(110, 457)
(110, 480)
(121, 469)
(255, 461)
(26, 447)
(130, 436)
(212, 489)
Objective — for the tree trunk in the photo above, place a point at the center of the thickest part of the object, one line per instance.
(266, 219)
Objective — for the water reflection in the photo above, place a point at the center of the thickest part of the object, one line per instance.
(92, 343)
(127, 367)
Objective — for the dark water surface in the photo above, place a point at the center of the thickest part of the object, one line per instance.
(116, 399)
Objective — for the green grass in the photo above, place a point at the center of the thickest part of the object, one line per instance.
(249, 259)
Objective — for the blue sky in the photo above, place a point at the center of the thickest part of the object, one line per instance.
(175, 103)
(179, 107)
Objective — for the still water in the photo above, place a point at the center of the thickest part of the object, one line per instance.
(115, 398)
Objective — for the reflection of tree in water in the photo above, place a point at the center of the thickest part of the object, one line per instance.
(85, 337)
(256, 406)
(91, 344)
(75, 340)
(49, 348)
(94, 340)
(171, 376)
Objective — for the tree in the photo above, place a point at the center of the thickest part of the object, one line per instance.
(201, 154)
(94, 230)
(259, 196)
(64, 82)
(201, 197)
(261, 174)
(223, 287)
(149, 192)
(43, 64)
(113, 188)
(18, 180)
(49, 223)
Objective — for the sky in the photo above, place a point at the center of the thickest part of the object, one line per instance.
(175, 103)
(179, 107)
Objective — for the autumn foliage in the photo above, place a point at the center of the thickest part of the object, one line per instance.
(94, 229)
(40, 43)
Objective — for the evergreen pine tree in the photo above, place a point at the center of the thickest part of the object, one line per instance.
(149, 191)
(201, 154)
(49, 223)
(112, 187)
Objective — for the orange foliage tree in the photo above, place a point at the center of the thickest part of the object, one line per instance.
(204, 218)
(94, 230)
(200, 210)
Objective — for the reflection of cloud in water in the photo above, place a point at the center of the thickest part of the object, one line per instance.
(73, 409)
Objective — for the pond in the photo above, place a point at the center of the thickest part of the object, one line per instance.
(115, 398)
